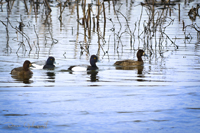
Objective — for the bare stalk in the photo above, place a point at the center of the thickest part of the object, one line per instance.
(7, 37)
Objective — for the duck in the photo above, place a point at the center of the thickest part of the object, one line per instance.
(126, 63)
(23, 71)
(49, 63)
(93, 66)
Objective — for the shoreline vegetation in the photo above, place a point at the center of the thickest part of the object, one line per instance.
(150, 33)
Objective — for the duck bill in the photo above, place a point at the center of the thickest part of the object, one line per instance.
(31, 65)
(144, 54)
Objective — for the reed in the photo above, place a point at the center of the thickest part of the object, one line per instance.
(7, 38)
(179, 11)
(47, 5)
(150, 33)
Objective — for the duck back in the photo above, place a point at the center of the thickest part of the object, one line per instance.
(49, 67)
(20, 71)
(128, 63)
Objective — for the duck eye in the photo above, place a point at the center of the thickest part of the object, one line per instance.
(95, 58)
(51, 59)
(143, 53)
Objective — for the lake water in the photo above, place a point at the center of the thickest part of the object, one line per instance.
(163, 95)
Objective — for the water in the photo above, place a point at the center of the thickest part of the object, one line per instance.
(161, 96)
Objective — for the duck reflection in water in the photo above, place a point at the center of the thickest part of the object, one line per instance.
(93, 75)
(25, 79)
(138, 68)
(51, 76)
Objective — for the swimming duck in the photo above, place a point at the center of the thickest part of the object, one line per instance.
(23, 71)
(125, 63)
(50, 63)
(93, 60)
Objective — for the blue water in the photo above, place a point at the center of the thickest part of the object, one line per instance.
(100, 109)
(162, 96)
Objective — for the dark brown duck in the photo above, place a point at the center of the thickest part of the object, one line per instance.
(23, 71)
(125, 63)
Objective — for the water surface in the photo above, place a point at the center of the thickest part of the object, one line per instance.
(161, 96)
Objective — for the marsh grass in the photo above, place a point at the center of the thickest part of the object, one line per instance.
(150, 33)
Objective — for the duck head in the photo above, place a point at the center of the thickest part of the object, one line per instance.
(26, 65)
(93, 60)
(50, 61)
(140, 53)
